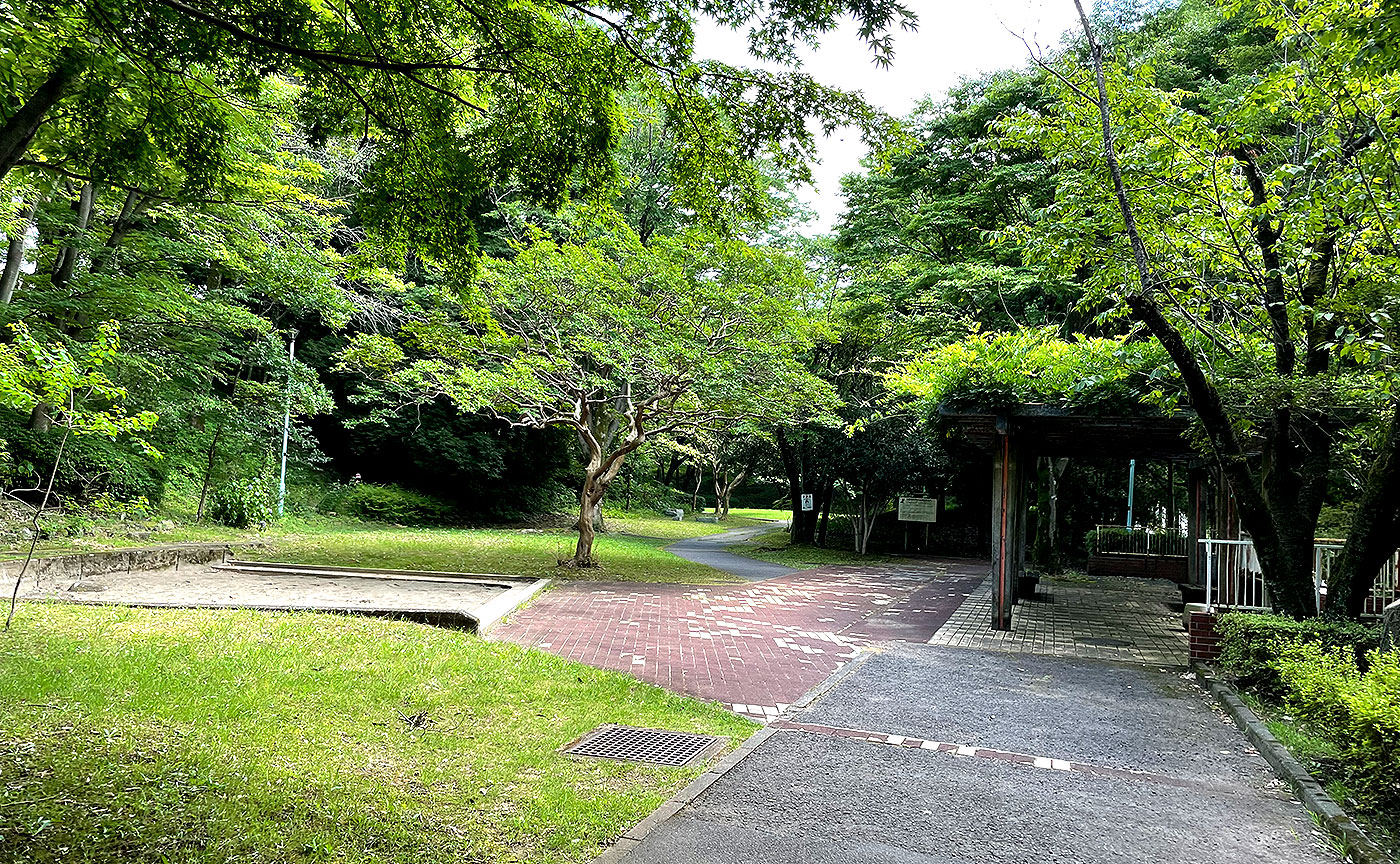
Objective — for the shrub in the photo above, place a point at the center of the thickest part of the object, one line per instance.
(390, 504)
(1372, 735)
(1316, 680)
(1251, 645)
(242, 503)
(92, 465)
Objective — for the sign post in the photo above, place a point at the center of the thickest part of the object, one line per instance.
(918, 509)
(807, 504)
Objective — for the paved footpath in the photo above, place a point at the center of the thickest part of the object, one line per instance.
(939, 755)
(755, 647)
(710, 550)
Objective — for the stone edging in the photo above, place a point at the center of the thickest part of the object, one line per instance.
(1334, 819)
(626, 842)
(80, 565)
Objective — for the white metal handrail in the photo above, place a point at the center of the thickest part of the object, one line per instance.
(1234, 579)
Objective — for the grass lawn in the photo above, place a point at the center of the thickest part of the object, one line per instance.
(776, 546)
(525, 552)
(665, 528)
(763, 515)
(632, 551)
(204, 736)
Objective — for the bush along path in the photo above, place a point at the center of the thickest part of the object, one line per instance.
(1330, 695)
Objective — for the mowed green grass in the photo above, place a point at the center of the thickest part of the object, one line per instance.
(523, 552)
(204, 736)
(632, 550)
(664, 528)
(760, 514)
(776, 546)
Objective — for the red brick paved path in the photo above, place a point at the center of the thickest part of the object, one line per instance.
(756, 647)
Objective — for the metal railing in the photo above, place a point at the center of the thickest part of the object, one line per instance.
(1234, 579)
(1121, 540)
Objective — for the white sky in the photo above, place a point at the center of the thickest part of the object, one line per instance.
(955, 40)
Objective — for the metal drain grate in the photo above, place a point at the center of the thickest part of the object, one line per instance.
(657, 746)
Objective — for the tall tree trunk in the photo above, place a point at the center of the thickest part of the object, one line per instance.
(695, 494)
(67, 262)
(807, 530)
(14, 254)
(208, 472)
(828, 494)
(590, 499)
(18, 131)
(41, 418)
(793, 469)
(1373, 533)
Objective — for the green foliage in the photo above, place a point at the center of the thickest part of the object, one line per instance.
(997, 370)
(243, 503)
(392, 504)
(1253, 645)
(1359, 712)
(93, 466)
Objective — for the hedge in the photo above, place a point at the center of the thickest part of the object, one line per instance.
(1331, 675)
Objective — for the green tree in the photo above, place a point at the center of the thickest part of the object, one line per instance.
(617, 341)
(1250, 235)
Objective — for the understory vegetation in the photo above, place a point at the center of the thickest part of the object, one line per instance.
(214, 736)
(1333, 697)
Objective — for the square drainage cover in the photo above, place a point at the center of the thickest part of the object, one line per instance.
(657, 746)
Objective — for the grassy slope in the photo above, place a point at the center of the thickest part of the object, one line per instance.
(632, 551)
(765, 515)
(196, 736)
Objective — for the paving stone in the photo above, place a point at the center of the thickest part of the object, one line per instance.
(754, 647)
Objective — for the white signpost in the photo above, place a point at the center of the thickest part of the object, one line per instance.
(918, 509)
(807, 502)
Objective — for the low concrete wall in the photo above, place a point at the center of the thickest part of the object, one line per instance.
(1122, 564)
(83, 564)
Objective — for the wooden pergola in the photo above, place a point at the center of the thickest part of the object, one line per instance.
(1015, 437)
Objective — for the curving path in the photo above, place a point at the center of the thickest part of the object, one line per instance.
(712, 551)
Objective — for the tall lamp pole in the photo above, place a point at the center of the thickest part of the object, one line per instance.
(1132, 471)
(286, 428)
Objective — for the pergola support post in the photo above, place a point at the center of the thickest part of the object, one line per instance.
(1195, 523)
(1008, 529)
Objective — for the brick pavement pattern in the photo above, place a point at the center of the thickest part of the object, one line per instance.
(756, 647)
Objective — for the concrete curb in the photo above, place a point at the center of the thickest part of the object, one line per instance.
(829, 683)
(495, 611)
(1334, 819)
(616, 852)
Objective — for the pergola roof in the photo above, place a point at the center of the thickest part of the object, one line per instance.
(1044, 430)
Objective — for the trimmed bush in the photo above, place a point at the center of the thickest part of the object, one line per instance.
(1251, 645)
(1316, 680)
(1359, 712)
(1372, 741)
(395, 504)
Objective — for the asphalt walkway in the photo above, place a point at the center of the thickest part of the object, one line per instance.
(712, 552)
(940, 755)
